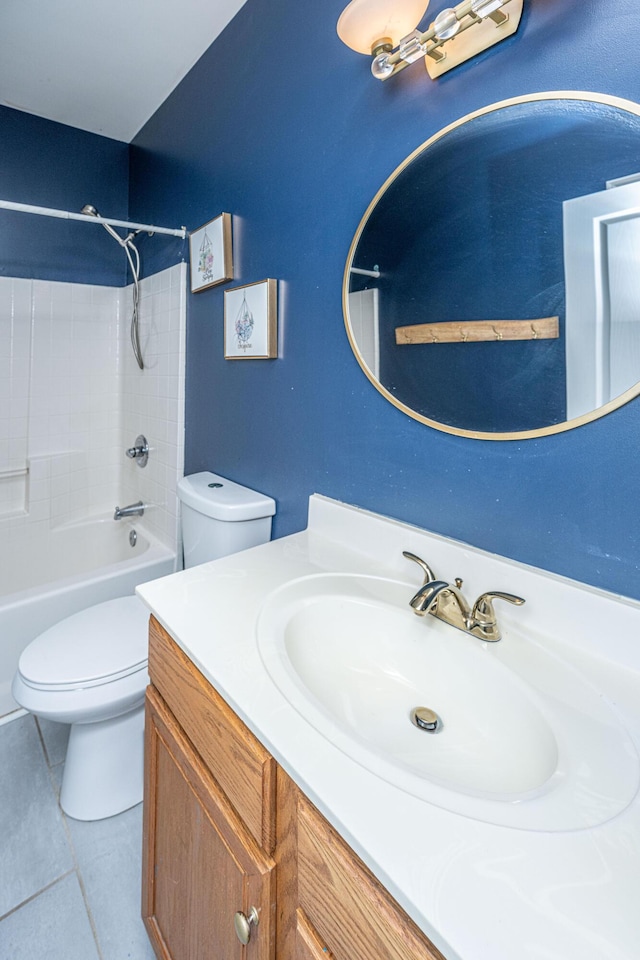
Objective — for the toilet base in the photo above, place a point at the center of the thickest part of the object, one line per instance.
(103, 773)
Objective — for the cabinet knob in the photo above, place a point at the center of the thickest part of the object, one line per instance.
(242, 924)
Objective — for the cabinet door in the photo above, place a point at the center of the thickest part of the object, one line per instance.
(200, 864)
(309, 946)
(344, 907)
(240, 765)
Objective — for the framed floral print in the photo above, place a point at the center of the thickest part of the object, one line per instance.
(251, 321)
(211, 253)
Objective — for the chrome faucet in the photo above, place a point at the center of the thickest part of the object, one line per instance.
(133, 510)
(140, 451)
(445, 602)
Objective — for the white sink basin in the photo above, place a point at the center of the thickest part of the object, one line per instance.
(524, 740)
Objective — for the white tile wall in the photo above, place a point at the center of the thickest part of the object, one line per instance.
(15, 350)
(153, 399)
(75, 395)
(72, 398)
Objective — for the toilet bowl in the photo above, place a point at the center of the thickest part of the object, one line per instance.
(90, 670)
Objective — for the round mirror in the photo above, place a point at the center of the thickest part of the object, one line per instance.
(490, 289)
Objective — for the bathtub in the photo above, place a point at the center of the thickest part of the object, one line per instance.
(45, 579)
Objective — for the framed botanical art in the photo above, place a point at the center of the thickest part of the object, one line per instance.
(211, 253)
(251, 321)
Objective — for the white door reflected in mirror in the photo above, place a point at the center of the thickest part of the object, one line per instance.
(602, 256)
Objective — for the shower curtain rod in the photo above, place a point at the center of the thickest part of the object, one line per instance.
(69, 215)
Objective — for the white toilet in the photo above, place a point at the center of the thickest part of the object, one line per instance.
(90, 670)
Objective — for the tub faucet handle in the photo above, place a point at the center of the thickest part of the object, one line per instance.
(139, 452)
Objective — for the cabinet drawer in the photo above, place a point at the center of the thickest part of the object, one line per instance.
(242, 767)
(350, 912)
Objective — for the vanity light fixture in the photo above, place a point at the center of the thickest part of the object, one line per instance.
(387, 31)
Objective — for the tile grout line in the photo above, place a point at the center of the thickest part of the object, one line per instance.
(44, 747)
(81, 883)
(35, 895)
(72, 848)
(12, 715)
(139, 944)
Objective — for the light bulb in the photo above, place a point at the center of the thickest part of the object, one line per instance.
(363, 23)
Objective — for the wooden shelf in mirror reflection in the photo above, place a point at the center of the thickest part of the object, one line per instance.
(476, 331)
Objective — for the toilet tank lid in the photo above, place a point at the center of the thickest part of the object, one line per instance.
(223, 499)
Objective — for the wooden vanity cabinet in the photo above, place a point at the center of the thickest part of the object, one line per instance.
(209, 818)
(226, 830)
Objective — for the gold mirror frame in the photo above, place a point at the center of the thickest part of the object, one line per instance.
(614, 404)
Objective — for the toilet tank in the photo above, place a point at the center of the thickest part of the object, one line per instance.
(220, 517)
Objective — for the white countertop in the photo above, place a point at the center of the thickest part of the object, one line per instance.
(479, 891)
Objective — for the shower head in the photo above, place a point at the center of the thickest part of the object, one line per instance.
(134, 262)
(90, 211)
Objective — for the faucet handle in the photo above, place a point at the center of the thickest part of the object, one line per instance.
(483, 610)
(429, 575)
(139, 452)
(483, 618)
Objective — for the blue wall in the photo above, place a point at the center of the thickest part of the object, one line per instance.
(283, 126)
(49, 164)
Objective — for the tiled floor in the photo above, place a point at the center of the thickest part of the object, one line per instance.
(69, 890)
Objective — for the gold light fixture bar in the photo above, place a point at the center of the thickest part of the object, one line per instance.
(456, 34)
(477, 331)
(475, 35)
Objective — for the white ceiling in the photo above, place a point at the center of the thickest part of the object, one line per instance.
(102, 65)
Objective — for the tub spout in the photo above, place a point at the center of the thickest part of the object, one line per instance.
(133, 510)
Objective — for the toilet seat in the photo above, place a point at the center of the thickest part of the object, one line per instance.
(99, 645)
(90, 671)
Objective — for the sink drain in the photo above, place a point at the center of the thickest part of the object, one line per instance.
(426, 719)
